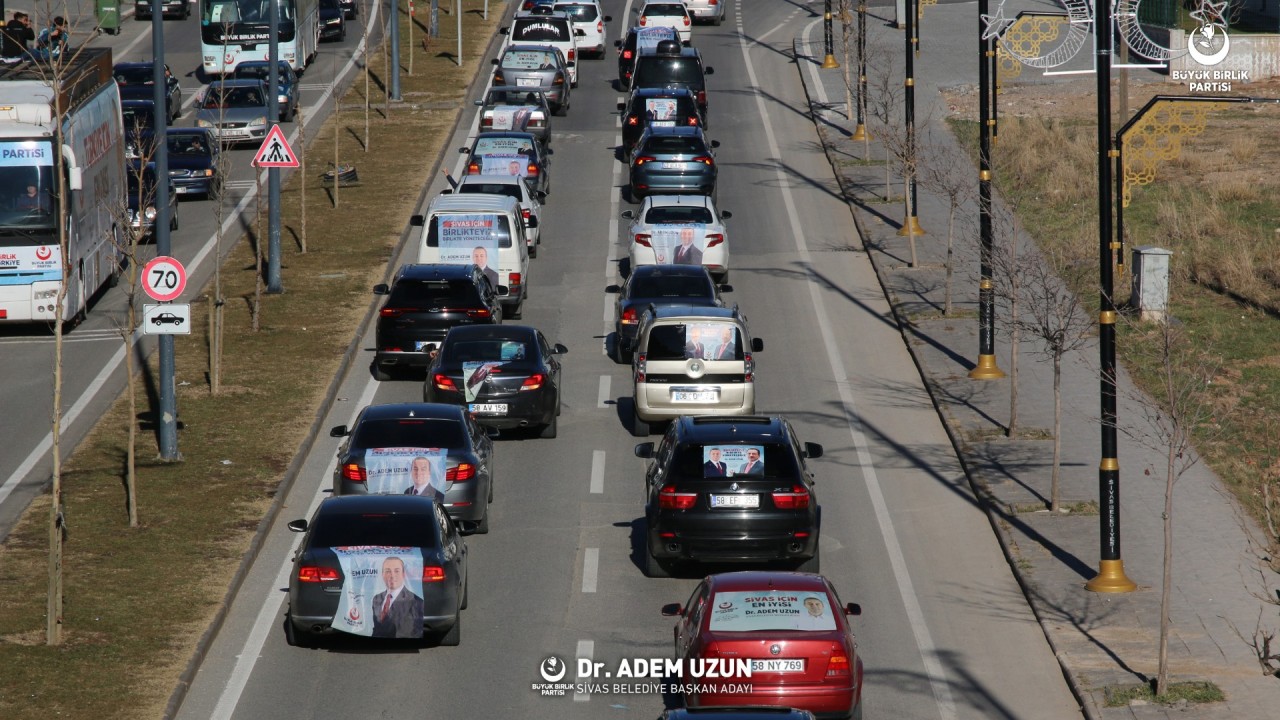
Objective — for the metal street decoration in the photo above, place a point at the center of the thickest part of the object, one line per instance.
(1079, 18)
(1026, 35)
(1157, 136)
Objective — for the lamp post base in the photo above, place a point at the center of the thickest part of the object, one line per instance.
(829, 62)
(986, 369)
(911, 226)
(860, 133)
(1111, 578)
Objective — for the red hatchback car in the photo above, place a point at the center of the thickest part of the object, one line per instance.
(792, 629)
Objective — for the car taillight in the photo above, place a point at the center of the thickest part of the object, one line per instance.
(641, 361)
(559, 80)
(473, 168)
(533, 382)
(513, 280)
(479, 314)
(626, 54)
(572, 52)
(686, 21)
(533, 170)
(642, 160)
(714, 239)
(748, 368)
(643, 239)
(432, 573)
(643, 21)
(797, 499)
(633, 120)
(464, 471)
(702, 97)
(391, 312)
(486, 122)
(838, 665)
(600, 26)
(498, 79)
(526, 213)
(443, 382)
(354, 473)
(669, 499)
(693, 121)
(316, 573)
(704, 159)
(534, 123)
(713, 2)
(629, 316)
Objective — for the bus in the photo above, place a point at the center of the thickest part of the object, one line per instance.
(233, 31)
(32, 268)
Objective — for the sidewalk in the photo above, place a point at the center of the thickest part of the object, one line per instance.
(1100, 639)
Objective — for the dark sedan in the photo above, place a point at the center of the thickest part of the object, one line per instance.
(419, 449)
(496, 153)
(139, 129)
(383, 566)
(194, 162)
(657, 107)
(333, 20)
(507, 376)
(287, 83)
(673, 161)
(659, 285)
(137, 82)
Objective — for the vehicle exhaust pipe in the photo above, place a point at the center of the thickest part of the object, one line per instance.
(794, 547)
(673, 547)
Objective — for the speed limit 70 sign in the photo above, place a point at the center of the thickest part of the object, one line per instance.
(164, 278)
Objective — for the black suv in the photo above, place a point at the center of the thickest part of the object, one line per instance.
(627, 49)
(672, 65)
(730, 489)
(654, 285)
(423, 302)
(660, 107)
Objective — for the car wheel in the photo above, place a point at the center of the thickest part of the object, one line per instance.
(482, 528)
(655, 568)
(549, 430)
(453, 636)
(380, 373)
(857, 711)
(517, 311)
(624, 355)
(719, 19)
(533, 251)
(813, 564)
(639, 427)
(296, 637)
(465, 584)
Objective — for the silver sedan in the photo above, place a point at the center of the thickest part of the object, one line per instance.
(235, 111)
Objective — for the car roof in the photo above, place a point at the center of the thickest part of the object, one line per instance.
(673, 130)
(517, 88)
(542, 15)
(388, 504)
(435, 271)
(132, 65)
(671, 91)
(685, 52)
(673, 200)
(474, 202)
(696, 312)
(748, 580)
(670, 270)
(507, 133)
(731, 428)
(490, 180)
(492, 332)
(412, 410)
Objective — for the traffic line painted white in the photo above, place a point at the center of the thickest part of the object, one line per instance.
(906, 588)
(590, 569)
(611, 259)
(597, 472)
(603, 398)
(587, 650)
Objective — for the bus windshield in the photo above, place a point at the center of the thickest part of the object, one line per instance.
(27, 189)
(225, 12)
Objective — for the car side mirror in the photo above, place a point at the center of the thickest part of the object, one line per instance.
(672, 610)
(381, 289)
(709, 71)
(617, 43)
(608, 18)
(613, 289)
(715, 143)
(494, 61)
(338, 431)
(725, 214)
(541, 196)
(757, 345)
(446, 191)
(504, 31)
(813, 451)
(853, 609)
(559, 349)
(479, 103)
(726, 288)
(463, 150)
(644, 450)
(628, 214)
(297, 525)
(417, 220)
(579, 33)
(532, 222)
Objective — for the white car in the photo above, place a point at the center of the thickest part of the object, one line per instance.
(680, 230)
(589, 19)
(530, 201)
(546, 27)
(668, 13)
(711, 11)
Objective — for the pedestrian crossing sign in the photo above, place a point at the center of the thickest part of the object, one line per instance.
(275, 151)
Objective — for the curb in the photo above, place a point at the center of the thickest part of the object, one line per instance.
(291, 473)
(1084, 697)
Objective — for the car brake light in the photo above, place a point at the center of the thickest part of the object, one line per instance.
(641, 361)
(797, 499)
(600, 26)
(642, 239)
(693, 121)
(626, 54)
(686, 21)
(513, 280)
(479, 314)
(354, 473)
(317, 573)
(643, 21)
(838, 665)
(391, 312)
(642, 160)
(432, 573)
(498, 79)
(629, 316)
(713, 2)
(748, 368)
(443, 382)
(704, 159)
(714, 239)
(464, 471)
(526, 213)
(533, 382)
(534, 123)
(473, 168)
(633, 120)
(533, 170)
(669, 499)
(572, 52)
(559, 80)
(702, 97)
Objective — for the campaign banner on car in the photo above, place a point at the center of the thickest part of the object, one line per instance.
(678, 244)
(466, 239)
(649, 37)
(660, 109)
(510, 117)
(405, 470)
(474, 374)
(528, 60)
(771, 610)
(515, 165)
(732, 460)
(488, 145)
(710, 341)
(381, 591)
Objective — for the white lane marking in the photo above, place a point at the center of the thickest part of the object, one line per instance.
(597, 472)
(604, 391)
(611, 260)
(586, 649)
(906, 588)
(590, 569)
(269, 616)
(777, 27)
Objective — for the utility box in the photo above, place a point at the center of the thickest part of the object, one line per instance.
(108, 16)
(1151, 282)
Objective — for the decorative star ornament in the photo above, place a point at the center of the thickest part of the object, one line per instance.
(995, 25)
(1211, 14)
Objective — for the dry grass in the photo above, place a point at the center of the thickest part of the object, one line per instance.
(137, 600)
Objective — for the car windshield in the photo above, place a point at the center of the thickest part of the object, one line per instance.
(189, 145)
(670, 286)
(771, 610)
(487, 349)
(135, 76)
(657, 70)
(678, 214)
(540, 29)
(508, 189)
(675, 145)
(148, 181)
(663, 10)
(528, 60)
(408, 432)
(422, 292)
(579, 12)
(233, 97)
(346, 529)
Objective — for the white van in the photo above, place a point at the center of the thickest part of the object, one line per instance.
(487, 230)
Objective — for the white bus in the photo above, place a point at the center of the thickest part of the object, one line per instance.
(31, 267)
(232, 31)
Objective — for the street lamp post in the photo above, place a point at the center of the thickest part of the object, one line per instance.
(986, 368)
(911, 224)
(828, 43)
(860, 132)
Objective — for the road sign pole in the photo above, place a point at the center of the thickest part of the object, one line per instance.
(167, 420)
(274, 286)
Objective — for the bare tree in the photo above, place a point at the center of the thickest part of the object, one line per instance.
(1006, 278)
(302, 170)
(938, 174)
(1264, 549)
(884, 98)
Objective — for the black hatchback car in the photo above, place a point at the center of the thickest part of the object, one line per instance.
(730, 489)
(671, 65)
(382, 566)
(659, 285)
(506, 376)
(657, 107)
(388, 444)
(423, 301)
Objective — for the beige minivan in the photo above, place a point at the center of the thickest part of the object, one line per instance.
(485, 230)
(692, 361)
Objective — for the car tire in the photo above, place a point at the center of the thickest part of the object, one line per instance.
(533, 251)
(380, 373)
(549, 430)
(517, 312)
(482, 528)
(465, 584)
(857, 711)
(639, 428)
(294, 636)
(624, 355)
(813, 564)
(655, 568)
(453, 636)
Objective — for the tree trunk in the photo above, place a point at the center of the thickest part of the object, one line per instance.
(1015, 333)
(849, 110)
(911, 227)
(131, 453)
(946, 292)
(302, 159)
(53, 605)
(1055, 499)
(1166, 584)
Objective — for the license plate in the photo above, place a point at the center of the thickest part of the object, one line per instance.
(423, 346)
(527, 82)
(672, 166)
(695, 396)
(663, 123)
(741, 501)
(778, 665)
(234, 133)
(488, 408)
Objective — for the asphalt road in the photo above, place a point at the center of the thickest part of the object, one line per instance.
(94, 352)
(945, 631)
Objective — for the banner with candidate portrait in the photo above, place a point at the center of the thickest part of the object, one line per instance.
(381, 591)
(405, 470)
(771, 610)
(510, 117)
(711, 341)
(461, 236)
(647, 38)
(660, 109)
(512, 164)
(474, 373)
(730, 460)
(678, 244)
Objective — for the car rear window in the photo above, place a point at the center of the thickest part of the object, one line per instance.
(503, 146)
(679, 342)
(528, 60)
(514, 97)
(422, 292)
(771, 610)
(663, 9)
(670, 286)
(498, 230)
(778, 460)
(408, 432)
(678, 214)
(135, 76)
(490, 189)
(540, 29)
(579, 12)
(675, 145)
(487, 350)
(657, 70)
(649, 37)
(347, 529)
